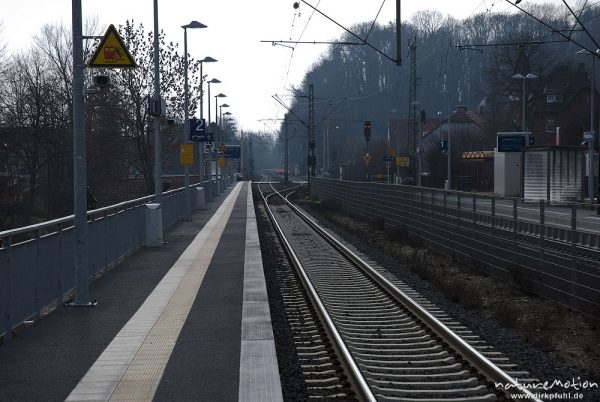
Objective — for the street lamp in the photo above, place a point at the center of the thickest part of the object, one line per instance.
(226, 114)
(529, 76)
(216, 105)
(221, 119)
(218, 128)
(213, 81)
(207, 59)
(592, 124)
(201, 161)
(223, 130)
(186, 106)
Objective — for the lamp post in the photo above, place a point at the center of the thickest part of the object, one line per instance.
(222, 138)
(225, 127)
(220, 95)
(522, 77)
(213, 81)
(157, 103)
(186, 107)
(207, 59)
(226, 114)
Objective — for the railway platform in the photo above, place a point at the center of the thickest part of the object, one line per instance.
(188, 321)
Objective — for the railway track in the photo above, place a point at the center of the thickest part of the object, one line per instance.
(392, 343)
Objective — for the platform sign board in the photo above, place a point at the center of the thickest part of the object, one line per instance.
(186, 154)
(589, 136)
(402, 161)
(513, 141)
(198, 131)
(509, 143)
(388, 158)
(112, 52)
(233, 151)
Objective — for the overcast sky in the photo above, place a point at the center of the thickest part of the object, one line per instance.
(251, 71)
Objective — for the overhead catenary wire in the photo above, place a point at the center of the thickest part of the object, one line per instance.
(554, 30)
(374, 21)
(349, 31)
(289, 67)
(581, 24)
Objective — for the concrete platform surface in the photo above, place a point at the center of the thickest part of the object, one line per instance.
(188, 321)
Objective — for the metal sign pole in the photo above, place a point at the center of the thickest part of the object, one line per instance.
(79, 164)
(186, 105)
(157, 140)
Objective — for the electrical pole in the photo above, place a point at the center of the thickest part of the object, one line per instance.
(412, 115)
(311, 133)
(449, 147)
(591, 142)
(398, 35)
(285, 139)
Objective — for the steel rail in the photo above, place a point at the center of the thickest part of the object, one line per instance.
(496, 375)
(354, 372)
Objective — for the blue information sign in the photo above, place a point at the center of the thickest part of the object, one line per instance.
(233, 151)
(511, 143)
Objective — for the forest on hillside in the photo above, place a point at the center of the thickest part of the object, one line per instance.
(458, 62)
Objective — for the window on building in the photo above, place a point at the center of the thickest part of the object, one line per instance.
(551, 125)
(553, 98)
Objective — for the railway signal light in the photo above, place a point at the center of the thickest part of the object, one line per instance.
(367, 129)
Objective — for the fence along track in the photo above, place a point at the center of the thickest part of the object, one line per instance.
(393, 348)
(568, 275)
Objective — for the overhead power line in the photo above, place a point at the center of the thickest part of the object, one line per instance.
(554, 30)
(470, 46)
(362, 41)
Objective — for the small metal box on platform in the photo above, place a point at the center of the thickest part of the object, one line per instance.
(200, 200)
(154, 229)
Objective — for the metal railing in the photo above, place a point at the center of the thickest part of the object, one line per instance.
(37, 262)
(549, 250)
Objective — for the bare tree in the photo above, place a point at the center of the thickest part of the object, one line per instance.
(137, 87)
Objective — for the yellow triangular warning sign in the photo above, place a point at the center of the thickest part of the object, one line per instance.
(112, 52)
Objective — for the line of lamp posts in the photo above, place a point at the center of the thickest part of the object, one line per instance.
(81, 260)
(202, 162)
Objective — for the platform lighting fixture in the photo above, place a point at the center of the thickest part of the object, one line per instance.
(522, 77)
(207, 59)
(186, 106)
(213, 81)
